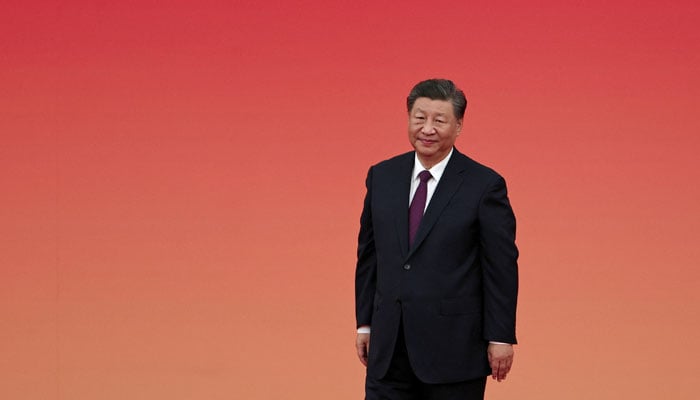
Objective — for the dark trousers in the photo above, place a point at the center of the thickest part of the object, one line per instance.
(400, 383)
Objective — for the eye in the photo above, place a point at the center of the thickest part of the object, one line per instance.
(440, 121)
(419, 117)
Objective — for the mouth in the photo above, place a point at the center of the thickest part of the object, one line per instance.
(427, 142)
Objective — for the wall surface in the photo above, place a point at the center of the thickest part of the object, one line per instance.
(181, 183)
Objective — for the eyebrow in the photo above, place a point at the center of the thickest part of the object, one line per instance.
(440, 114)
(425, 112)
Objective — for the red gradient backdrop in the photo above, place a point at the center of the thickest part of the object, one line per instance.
(181, 185)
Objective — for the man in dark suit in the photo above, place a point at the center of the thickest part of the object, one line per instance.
(437, 278)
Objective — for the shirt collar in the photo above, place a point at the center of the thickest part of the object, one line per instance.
(437, 169)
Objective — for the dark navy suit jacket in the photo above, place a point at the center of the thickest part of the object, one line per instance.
(455, 288)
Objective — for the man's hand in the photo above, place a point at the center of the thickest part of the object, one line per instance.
(362, 345)
(501, 359)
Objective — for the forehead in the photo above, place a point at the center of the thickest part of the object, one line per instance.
(430, 106)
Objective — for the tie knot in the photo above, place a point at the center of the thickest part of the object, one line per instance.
(424, 176)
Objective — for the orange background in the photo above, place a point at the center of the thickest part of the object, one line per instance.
(181, 185)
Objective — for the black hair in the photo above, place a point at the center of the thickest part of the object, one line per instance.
(439, 89)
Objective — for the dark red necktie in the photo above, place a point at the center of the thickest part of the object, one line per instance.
(415, 211)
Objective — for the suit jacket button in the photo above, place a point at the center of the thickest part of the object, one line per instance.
(407, 267)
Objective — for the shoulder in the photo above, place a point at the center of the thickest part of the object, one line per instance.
(463, 163)
(395, 164)
(400, 159)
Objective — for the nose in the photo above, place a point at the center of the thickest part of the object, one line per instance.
(428, 128)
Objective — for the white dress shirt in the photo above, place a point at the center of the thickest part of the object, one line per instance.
(436, 171)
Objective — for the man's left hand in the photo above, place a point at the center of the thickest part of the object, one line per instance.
(501, 359)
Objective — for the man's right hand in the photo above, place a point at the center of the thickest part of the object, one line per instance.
(362, 344)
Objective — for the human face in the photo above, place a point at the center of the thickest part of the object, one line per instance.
(432, 129)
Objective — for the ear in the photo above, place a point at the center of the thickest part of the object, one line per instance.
(459, 126)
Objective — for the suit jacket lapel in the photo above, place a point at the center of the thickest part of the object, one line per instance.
(400, 201)
(449, 183)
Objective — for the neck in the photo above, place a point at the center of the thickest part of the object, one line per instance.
(428, 163)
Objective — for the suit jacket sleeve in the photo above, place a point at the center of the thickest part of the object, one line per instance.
(366, 269)
(499, 257)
